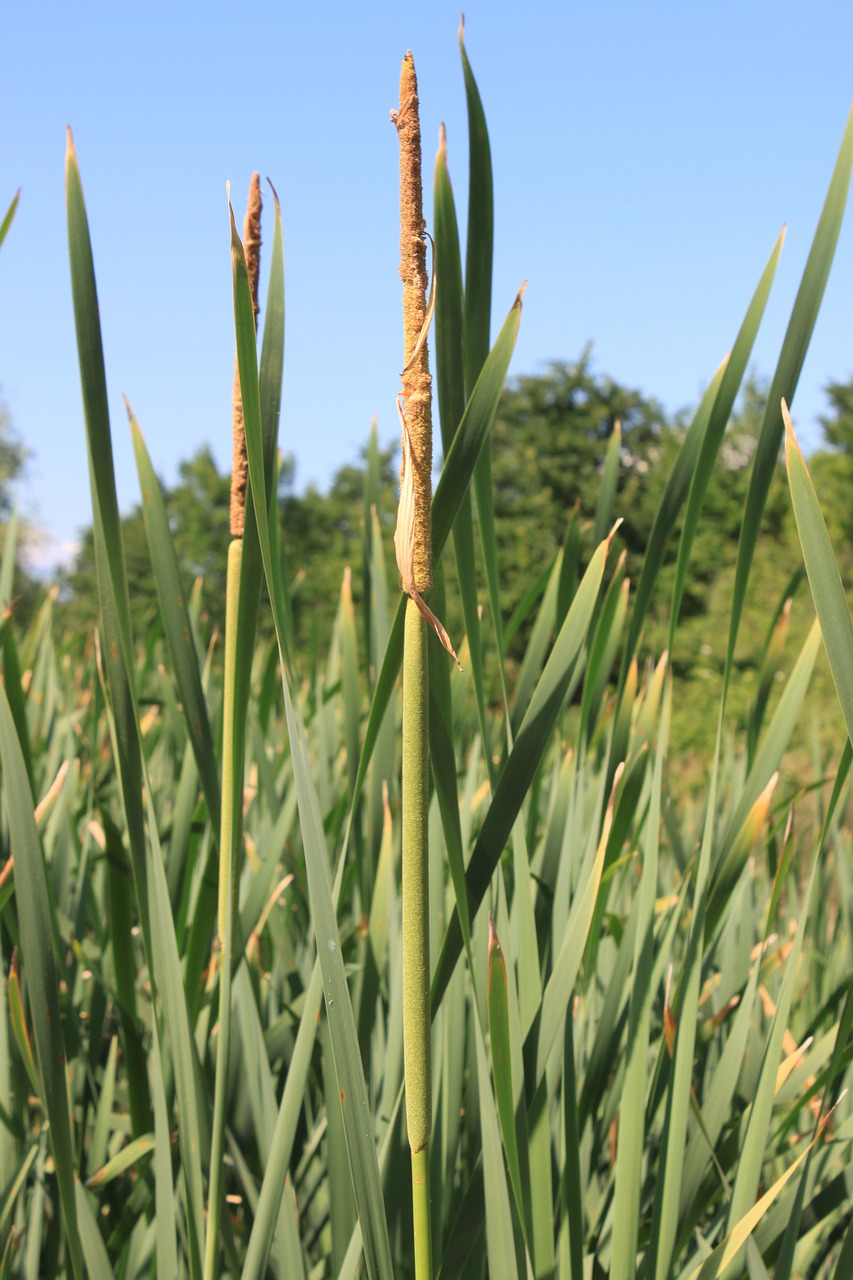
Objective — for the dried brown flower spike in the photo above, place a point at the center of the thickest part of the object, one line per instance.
(413, 536)
(240, 461)
(416, 395)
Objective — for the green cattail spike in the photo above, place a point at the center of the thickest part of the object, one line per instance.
(240, 461)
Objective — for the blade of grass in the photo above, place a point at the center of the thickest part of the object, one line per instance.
(478, 312)
(750, 1164)
(784, 384)
(347, 1056)
(447, 499)
(727, 1250)
(499, 1233)
(824, 579)
(176, 622)
(607, 486)
(443, 762)
(671, 502)
(9, 215)
(98, 1265)
(720, 415)
(450, 384)
(281, 1145)
(32, 900)
(558, 992)
(122, 1161)
(499, 1036)
(164, 1191)
(632, 1109)
(523, 761)
(111, 578)
(103, 1115)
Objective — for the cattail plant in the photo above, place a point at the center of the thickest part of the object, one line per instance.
(636, 1079)
(414, 561)
(233, 751)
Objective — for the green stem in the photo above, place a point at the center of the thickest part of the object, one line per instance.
(229, 846)
(421, 1211)
(416, 968)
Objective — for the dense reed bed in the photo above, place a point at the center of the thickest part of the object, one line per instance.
(641, 1010)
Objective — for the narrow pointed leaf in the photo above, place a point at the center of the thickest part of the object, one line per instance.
(785, 379)
(34, 923)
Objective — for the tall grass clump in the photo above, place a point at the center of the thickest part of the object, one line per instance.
(270, 918)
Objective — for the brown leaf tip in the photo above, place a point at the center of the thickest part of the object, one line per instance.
(494, 945)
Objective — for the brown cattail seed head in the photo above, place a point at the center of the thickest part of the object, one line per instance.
(416, 390)
(240, 461)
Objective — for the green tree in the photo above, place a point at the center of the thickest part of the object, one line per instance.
(321, 534)
(12, 458)
(13, 455)
(548, 447)
(199, 513)
(832, 468)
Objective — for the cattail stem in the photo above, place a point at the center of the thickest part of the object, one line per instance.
(230, 841)
(233, 751)
(414, 557)
(415, 868)
(417, 1055)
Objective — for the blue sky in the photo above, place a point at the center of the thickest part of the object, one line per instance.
(645, 157)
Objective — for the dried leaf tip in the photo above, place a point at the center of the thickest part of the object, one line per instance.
(789, 426)
(494, 945)
(252, 254)
(275, 196)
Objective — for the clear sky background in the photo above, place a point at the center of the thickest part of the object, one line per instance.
(645, 159)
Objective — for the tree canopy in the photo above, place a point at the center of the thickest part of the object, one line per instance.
(548, 446)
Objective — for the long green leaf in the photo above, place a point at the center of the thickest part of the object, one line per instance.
(632, 1108)
(281, 1145)
(450, 384)
(607, 485)
(822, 569)
(36, 930)
(558, 993)
(176, 623)
(672, 499)
(785, 379)
(478, 313)
(9, 215)
(146, 859)
(732, 377)
(523, 761)
(499, 1233)
(342, 1029)
(448, 497)
(499, 1035)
